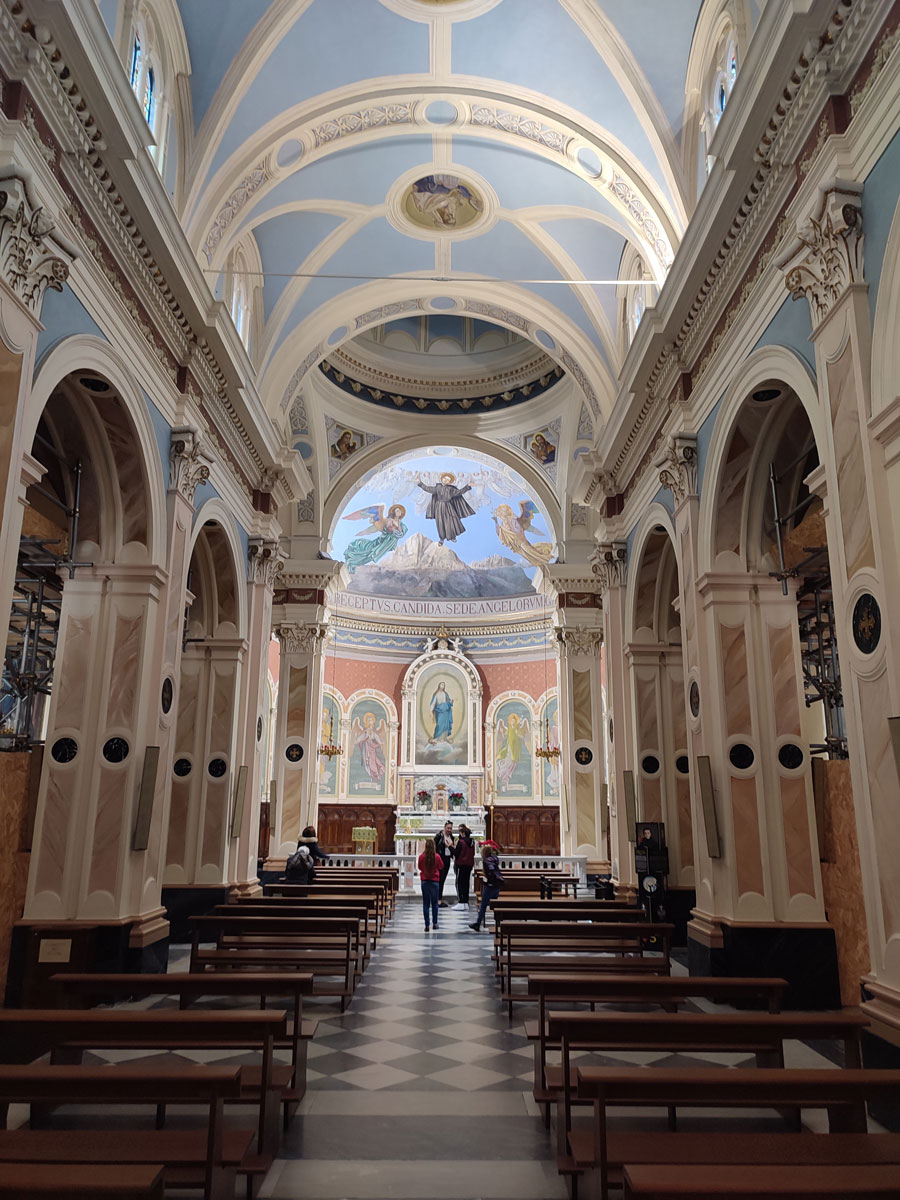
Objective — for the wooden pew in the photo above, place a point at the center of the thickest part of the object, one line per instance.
(755, 1182)
(842, 1093)
(46, 1181)
(78, 990)
(388, 877)
(528, 882)
(323, 946)
(560, 910)
(761, 1034)
(208, 1157)
(611, 946)
(374, 900)
(667, 992)
(308, 911)
(68, 1033)
(331, 886)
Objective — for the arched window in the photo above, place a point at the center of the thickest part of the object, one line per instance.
(723, 73)
(721, 39)
(242, 290)
(633, 295)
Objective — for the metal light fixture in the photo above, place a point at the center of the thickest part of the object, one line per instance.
(329, 749)
(545, 750)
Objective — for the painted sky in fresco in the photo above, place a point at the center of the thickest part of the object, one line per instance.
(497, 554)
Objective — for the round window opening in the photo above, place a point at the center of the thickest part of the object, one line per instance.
(741, 756)
(790, 756)
(649, 764)
(682, 766)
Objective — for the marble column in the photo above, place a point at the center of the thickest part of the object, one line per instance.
(824, 265)
(296, 739)
(31, 260)
(609, 565)
(104, 705)
(582, 801)
(264, 563)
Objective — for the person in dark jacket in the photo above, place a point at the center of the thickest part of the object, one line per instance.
(465, 862)
(299, 867)
(493, 880)
(445, 847)
(308, 838)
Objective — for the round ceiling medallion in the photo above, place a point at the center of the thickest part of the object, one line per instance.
(436, 202)
(443, 202)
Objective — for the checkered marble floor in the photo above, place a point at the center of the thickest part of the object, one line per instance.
(423, 1087)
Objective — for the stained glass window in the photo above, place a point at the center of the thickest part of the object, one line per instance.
(136, 64)
(149, 101)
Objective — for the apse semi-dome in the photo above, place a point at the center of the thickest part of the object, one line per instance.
(443, 523)
(442, 362)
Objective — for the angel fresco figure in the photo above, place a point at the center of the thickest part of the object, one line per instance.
(441, 197)
(370, 738)
(390, 528)
(511, 530)
(512, 739)
(447, 506)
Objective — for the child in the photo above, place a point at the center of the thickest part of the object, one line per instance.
(430, 874)
(493, 880)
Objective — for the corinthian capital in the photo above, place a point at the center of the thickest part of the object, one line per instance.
(301, 639)
(678, 466)
(264, 562)
(188, 462)
(826, 256)
(608, 564)
(30, 261)
(580, 640)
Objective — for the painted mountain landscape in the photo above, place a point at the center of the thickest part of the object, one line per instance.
(421, 568)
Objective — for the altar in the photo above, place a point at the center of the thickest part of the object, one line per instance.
(415, 825)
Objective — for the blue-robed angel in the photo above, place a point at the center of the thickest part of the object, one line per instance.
(390, 530)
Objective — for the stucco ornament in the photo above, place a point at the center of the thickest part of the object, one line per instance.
(608, 563)
(580, 640)
(678, 466)
(29, 261)
(826, 256)
(264, 562)
(301, 639)
(188, 462)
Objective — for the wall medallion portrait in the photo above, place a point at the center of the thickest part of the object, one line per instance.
(442, 202)
(513, 749)
(442, 717)
(369, 749)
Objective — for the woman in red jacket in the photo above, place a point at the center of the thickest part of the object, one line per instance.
(430, 874)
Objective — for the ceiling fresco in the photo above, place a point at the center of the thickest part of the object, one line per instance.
(443, 524)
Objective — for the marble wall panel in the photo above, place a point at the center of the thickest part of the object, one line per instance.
(15, 772)
(734, 674)
(125, 667)
(851, 472)
(291, 804)
(842, 880)
(675, 676)
(747, 850)
(685, 822)
(585, 815)
(647, 702)
(57, 809)
(795, 819)
(215, 809)
(651, 799)
(107, 843)
(582, 711)
(72, 672)
(784, 681)
(10, 378)
(875, 705)
(296, 714)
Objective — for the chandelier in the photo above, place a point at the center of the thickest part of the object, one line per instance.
(329, 749)
(545, 750)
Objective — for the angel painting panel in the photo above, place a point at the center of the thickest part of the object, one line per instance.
(512, 750)
(388, 529)
(368, 748)
(512, 531)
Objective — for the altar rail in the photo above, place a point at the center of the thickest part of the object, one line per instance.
(406, 864)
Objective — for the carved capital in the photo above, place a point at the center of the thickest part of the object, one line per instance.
(602, 486)
(826, 255)
(30, 261)
(188, 462)
(264, 562)
(678, 466)
(579, 640)
(301, 639)
(608, 564)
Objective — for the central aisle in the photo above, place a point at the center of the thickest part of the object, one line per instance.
(423, 1088)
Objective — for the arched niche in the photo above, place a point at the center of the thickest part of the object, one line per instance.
(435, 740)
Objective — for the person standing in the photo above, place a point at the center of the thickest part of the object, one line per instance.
(493, 880)
(465, 861)
(445, 846)
(429, 874)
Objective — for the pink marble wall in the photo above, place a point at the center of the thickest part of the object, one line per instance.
(748, 853)
(851, 471)
(875, 706)
(784, 681)
(223, 695)
(795, 818)
(737, 692)
(185, 742)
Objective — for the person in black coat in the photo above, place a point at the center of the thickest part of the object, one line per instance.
(308, 838)
(445, 848)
